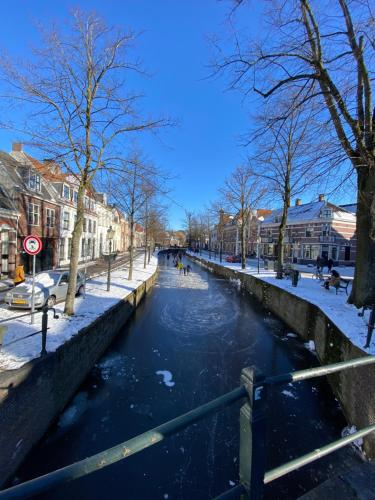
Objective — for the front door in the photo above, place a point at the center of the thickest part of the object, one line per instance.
(347, 253)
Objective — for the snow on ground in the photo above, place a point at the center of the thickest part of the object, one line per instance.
(342, 314)
(14, 353)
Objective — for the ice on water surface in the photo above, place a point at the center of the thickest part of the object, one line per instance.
(167, 377)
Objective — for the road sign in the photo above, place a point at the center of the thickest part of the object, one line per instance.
(32, 245)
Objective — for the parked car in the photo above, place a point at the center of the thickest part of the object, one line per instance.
(50, 287)
(233, 258)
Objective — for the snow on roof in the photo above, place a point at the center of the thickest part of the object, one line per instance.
(351, 207)
(310, 211)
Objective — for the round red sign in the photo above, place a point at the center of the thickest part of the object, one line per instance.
(32, 245)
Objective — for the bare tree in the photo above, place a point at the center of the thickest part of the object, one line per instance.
(79, 109)
(289, 159)
(325, 55)
(241, 194)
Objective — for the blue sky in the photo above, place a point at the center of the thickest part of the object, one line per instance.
(204, 147)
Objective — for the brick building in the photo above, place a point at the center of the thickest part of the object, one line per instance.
(39, 211)
(313, 229)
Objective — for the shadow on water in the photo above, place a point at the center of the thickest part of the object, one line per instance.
(187, 344)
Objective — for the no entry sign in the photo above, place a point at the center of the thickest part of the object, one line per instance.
(32, 245)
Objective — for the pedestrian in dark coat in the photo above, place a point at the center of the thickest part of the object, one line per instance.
(330, 265)
(319, 264)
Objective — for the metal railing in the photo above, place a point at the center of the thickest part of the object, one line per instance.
(252, 474)
(43, 331)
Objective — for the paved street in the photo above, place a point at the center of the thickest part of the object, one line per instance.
(185, 345)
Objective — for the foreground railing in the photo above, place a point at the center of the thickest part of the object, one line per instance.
(252, 437)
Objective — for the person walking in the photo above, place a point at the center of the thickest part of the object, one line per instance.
(180, 267)
(329, 265)
(188, 268)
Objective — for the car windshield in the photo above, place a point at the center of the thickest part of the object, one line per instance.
(45, 279)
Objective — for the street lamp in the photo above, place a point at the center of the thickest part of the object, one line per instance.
(110, 235)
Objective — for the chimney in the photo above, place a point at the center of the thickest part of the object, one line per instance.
(17, 146)
(321, 197)
(298, 202)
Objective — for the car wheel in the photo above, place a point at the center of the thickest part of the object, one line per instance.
(51, 301)
(81, 290)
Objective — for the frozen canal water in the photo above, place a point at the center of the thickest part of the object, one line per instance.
(187, 344)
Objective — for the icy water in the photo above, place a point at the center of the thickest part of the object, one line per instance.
(186, 345)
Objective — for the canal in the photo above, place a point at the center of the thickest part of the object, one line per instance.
(185, 345)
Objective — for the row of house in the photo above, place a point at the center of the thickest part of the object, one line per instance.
(319, 228)
(38, 198)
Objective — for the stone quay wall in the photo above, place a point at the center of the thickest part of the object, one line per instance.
(35, 394)
(352, 387)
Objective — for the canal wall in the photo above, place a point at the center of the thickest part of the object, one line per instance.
(35, 394)
(354, 387)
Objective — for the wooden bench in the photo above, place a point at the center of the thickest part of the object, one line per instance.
(344, 284)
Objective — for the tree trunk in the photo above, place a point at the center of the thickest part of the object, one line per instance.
(280, 241)
(145, 252)
(75, 250)
(243, 244)
(363, 291)
(131, 248)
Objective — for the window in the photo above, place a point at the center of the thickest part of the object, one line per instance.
(75, 196)
(94, 226)
(50, 219)
(334, 253)
(33, 214)
(67, 192)
(309, 231)
(325, 230)
(86, 202)
(90, 226)
(62, 249)
(4, 239)
(75, 219)
(327, 213)
(84, 224)
(69, 247)
(34, 181)
(66, 220)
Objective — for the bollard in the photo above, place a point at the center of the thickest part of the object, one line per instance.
(253, 435)
(44, 330)
(370, 328)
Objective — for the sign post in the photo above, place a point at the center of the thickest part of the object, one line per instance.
(32, 246)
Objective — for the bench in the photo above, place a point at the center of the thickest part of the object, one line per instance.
(344, 284)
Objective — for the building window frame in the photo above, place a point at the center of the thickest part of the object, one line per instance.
(50, 217)
(66, 220)
(33, 214)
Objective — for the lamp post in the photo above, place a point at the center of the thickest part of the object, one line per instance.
(110, 235)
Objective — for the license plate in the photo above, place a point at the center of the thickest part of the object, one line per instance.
(19, 301)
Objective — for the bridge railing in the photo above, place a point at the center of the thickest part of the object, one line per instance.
(253, 476)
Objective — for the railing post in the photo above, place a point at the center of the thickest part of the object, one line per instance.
(44, 330)
(253, 435)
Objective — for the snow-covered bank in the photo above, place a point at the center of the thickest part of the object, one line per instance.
(335, 307)
(17, 351)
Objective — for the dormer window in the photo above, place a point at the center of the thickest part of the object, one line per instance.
(34, 181)
(327, 213)
(67, 192)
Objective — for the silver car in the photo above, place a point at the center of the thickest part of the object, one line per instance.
(50, 287)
